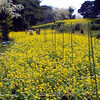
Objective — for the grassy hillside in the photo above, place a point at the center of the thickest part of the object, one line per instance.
(65, 22)
(72, 23)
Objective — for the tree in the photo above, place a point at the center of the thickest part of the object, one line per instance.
(97, 8)
(5, 23)
(7, 12)
(31, 13)
(71, 11)
(60, 13)
(87, 9)
(48, 14)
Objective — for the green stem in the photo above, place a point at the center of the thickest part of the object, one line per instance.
(63, 43)
(71, 42)
(52, 38)
(89, 45)
(55, 42)
(89, 49)
(94, 67)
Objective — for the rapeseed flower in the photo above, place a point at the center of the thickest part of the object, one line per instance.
(39, 64)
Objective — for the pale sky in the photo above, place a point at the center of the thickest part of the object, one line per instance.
(64, 3)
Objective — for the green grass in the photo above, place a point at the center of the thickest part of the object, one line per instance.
(2, 48)
(94, 33)
(65, 23)
(0, 34)
(84, 26)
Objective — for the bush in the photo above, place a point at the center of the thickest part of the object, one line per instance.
(96, 21)
(98, 36)
(77, 26)
(95, 24)
(95, 27)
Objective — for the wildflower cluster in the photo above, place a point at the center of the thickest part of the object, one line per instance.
(40, 67)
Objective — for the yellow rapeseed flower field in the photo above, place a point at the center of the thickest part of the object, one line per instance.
(41, 67)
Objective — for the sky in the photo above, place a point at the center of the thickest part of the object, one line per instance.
(76, 4)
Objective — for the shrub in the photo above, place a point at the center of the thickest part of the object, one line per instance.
(95, 27)
(77, 26)
(96, 21)
(98, 36)
(95, 24)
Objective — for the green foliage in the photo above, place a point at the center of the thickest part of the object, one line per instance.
(45, 26)
(0, 34)
(7, 12)
(71, 11)
(5, 23)
(95, 27)
(30, 14)
(96, 21)
(86, 9)
(98, 36)
(67, 25)
(77, 26)
(97, 8)
(48, 15)
(95, 24)
(90, 9)
(2, 48)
